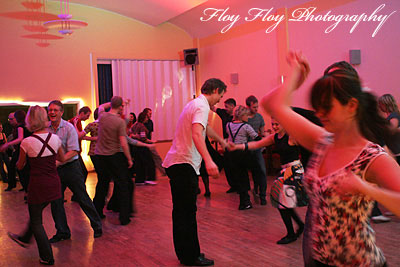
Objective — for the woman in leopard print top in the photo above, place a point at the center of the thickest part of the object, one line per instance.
(340, 233)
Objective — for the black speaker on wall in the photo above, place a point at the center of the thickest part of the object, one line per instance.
(355, 57)
(191, 56)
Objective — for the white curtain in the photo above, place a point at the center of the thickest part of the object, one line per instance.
(165, 86)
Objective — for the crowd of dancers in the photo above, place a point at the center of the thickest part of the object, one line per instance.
(349, 143)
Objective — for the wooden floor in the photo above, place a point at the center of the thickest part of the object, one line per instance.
(227, 235)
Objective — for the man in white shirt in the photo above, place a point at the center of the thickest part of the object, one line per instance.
(182, 164)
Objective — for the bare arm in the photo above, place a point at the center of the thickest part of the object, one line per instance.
(277, 104)
(125, 149)
(81, 135)
(104, 106)
(394, 123)
(70, 154)
(21, 160)
(135, 142)
(389, 199)
(266, 141)
(60, 155)
(15, 141)
(90, 138)
(385, 172)
(199, 142)
(352, 184)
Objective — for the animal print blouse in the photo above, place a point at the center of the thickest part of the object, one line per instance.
(341, 234)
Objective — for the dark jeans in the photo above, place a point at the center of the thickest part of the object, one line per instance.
(115, 166)
(71, 176)
(184, 184)
(4, 160)
(259, 172)
(35, 228)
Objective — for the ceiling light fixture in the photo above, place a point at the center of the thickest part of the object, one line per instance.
(65, 25)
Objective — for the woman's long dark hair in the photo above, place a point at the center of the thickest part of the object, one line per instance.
(343, 86)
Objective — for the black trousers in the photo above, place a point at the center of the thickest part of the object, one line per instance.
(287, 215)
(4, 160)
(115, 166)
(12, 172)
(35, 228)
(184, 184)
(144, 164)
(239, 166)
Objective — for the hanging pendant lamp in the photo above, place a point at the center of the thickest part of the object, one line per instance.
(65, 25)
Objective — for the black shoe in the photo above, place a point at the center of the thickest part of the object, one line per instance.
(98, 233)
(46, 262)
(299, 231)
(17, 239)
(9, 188)
(59, 237)
(207, 194)
(231, 190)
(245, 206)
(286, 240)
(21, 190)
(200, 261)
(125, 222)
(263, 201)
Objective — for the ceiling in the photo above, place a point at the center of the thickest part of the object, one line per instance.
(185, 14)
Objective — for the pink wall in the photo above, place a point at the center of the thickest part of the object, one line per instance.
(255, 55)
(379, 55)
(63, 69)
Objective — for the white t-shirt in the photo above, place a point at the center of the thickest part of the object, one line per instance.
(32, 146)
(183, 149)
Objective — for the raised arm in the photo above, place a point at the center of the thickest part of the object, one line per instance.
(277, 104)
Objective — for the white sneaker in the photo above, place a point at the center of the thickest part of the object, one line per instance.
(380, 219)
(151, 182)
